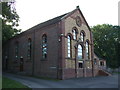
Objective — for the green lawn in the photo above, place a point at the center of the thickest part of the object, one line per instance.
(116, 72)
(8, 83)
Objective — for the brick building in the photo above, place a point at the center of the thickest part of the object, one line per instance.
(58, 48)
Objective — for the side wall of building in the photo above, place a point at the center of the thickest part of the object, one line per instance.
(13, 61)
(36, 65)
(47, 67)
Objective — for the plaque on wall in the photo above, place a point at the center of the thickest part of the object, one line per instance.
(78, 21)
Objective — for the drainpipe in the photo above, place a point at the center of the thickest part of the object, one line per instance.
(33, 53)
(59, 48)
(76, 62)
(92, 50)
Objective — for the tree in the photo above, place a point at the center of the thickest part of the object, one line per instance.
(10, 21)
(107, 42)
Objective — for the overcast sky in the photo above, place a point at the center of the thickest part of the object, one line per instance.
(33, 12)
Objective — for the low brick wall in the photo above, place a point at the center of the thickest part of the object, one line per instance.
(102, 73)
(69, 73)
(88, 72)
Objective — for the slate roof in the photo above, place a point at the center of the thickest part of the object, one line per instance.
(46, 23)
(51, 21)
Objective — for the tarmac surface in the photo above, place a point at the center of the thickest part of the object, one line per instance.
(88, 82)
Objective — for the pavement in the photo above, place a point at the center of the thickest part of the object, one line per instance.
(88, 82)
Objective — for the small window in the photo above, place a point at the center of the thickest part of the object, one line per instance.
(101, 63)
(95, 61)
(80, 65)
(74, 34)
(87, 50)
(80, 52)
(44, 46)
(29, 49)
(69, 45)
(82, 36)
(16, 50)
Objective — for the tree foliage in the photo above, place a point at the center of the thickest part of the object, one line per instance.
(10, 21)
(106, 43)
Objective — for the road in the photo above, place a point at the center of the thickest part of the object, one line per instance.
(88, 82)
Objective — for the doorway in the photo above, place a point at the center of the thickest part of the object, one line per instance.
(21, 64)
(6, 66)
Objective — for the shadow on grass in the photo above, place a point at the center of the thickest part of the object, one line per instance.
(38, 77)
(9, 83)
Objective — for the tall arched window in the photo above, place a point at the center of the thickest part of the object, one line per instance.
(80, 52)
(87, 49)
(29, 49)
(16, 50)
(74, 34)
(69, 45)
(44, 46)
(82, 36)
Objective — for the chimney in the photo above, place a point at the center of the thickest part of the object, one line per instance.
(77, 7)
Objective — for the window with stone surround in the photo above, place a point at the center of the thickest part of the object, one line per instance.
(80, 52)
(29, 49)
(74, 34)
(69, 45)
(80, 64)
(44, 46)
(82, 36)
(87, 49)
(16, 50)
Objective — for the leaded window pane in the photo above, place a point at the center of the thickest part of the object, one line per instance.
(87, 50)
(82, 37)
(74, 34)
(68, 54)
(44, 46)
(69, 45)
(29, 49)
(16, 50)
(80, 52)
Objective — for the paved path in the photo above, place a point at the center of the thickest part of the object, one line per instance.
(88, 82)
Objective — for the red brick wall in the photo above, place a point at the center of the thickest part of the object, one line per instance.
(69, 73)
(41, 68)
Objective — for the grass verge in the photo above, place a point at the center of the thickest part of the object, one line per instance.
(116, 72)
(8, 83)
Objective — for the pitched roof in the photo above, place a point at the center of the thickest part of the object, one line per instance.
(57, 19)
(98, 57)
(46, 23)
(51, 21)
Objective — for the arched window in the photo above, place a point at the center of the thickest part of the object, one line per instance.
(29, 49)
(87, 49)
(80, 52)
(74, 34)
(44, 46)
(82, 36)
(69, 45)
(16, 50)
